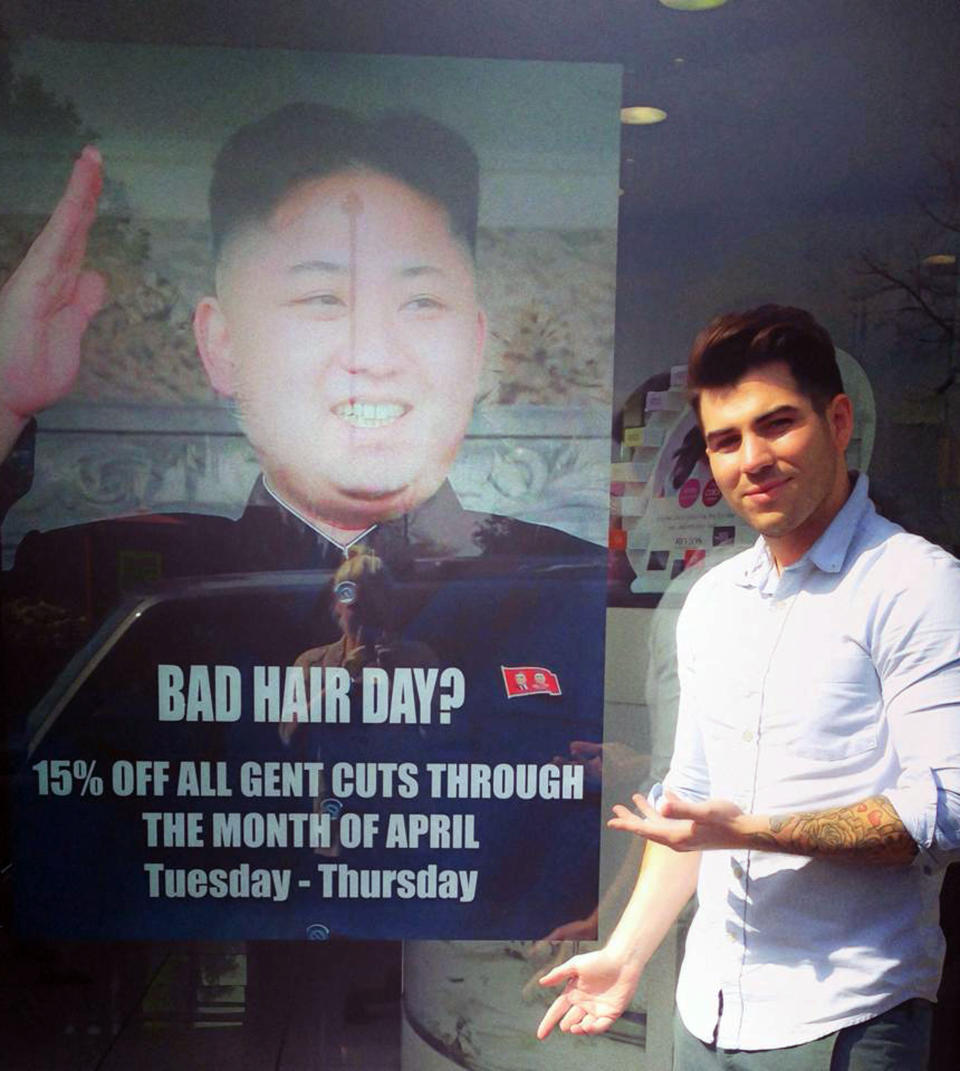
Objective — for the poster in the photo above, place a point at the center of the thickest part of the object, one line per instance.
(302, 628)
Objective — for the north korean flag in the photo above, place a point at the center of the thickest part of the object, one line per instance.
(529, 680)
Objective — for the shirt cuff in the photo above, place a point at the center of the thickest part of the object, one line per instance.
(929, 807)
(655, 796)
(947, 834)
(687, 788)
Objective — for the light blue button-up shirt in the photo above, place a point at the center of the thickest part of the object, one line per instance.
(836, 680)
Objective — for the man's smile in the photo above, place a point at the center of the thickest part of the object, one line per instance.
(767, 491)
(370, 414)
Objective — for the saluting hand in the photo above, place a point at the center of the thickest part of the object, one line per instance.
(46, 304)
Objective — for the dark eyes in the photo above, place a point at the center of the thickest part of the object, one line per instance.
(324, 300)
(778, 425)
(331, 302)
(424, 303)
(722, 446)
(769, 428)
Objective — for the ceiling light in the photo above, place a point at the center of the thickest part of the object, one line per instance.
(940, 260)
(642, 115)
(692, 5)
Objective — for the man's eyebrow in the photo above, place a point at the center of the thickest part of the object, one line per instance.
(780, 410)
(333, 267)
(413, 271)
(330, 267)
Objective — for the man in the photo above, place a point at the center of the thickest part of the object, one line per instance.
(346, 322)
(346, 328)
(815, 783)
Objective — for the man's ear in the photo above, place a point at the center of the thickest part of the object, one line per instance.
(840, 418)
(213, 341)
(481, 340)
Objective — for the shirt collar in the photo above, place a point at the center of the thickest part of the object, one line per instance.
(830, 551)
(827, 554)
(344, 547)
(439, 527)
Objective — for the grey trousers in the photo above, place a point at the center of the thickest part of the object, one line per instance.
(897, 1040)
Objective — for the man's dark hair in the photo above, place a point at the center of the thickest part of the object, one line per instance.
(264, 161)
(733, 344)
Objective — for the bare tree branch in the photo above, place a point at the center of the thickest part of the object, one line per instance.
(941, 221)
(898, 282)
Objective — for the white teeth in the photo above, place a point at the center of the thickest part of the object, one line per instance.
(369, 414)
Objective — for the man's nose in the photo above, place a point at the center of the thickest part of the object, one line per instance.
(756, 453)
(371, 346)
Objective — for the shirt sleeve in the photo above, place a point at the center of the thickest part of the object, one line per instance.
(688, 776)
(16, 470)
(916, 641)
(946, 836)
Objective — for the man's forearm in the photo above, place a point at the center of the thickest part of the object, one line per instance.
(666, 882)
(866, 832)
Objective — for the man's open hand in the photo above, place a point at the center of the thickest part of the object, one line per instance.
(598, 987)
(684, 826)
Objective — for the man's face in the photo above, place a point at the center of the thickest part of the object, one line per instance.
(778, 462)
(347, 329)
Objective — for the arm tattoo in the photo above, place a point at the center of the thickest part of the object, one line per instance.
(866, 832)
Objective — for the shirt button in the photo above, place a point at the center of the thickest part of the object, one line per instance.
(747, 735)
